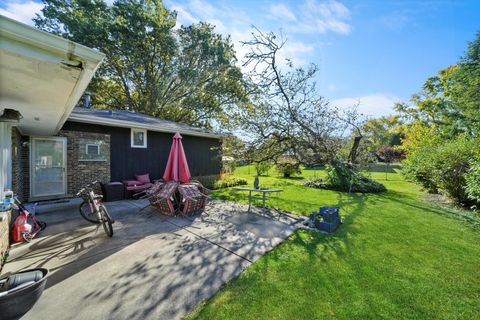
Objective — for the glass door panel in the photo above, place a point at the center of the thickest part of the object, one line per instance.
(48, 166)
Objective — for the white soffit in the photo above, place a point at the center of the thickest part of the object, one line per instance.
(42, 76)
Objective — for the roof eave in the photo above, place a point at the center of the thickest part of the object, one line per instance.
(129, 124)
(49, 42)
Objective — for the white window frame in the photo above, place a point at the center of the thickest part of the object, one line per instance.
(33, 193)
(92, 144)
(132, 132)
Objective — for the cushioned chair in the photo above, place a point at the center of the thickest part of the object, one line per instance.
(137, 186)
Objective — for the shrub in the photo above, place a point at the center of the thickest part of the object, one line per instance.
(229, 166)
(315, 183)
(288, 167)
(229, 182)
(342, 177)
(419, 167)
(367, 185)
(473, 182)
(445, 166)
(262, 168)
(451, 164)
(419, 146)
(390, 154)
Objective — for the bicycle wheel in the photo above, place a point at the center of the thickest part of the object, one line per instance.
(87, 211)
(27, 237)
(106, 221)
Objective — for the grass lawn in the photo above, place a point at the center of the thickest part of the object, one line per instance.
(394, 257)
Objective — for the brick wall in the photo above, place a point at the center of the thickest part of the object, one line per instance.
(80, 172)
(4, 235)
(20, 165)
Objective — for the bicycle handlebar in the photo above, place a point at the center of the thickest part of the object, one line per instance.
(87, 187)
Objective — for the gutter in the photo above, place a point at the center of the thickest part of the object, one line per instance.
(21, 32)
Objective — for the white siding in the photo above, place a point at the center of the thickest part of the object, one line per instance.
(5, 157)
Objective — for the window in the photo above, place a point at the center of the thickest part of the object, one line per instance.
(139, 138)
(92, 149)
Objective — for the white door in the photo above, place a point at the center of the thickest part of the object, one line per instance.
(48, 166)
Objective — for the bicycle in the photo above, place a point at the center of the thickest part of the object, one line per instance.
(26, 225)
(93, 210)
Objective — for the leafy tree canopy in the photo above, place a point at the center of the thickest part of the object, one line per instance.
(184, 74)
(451, 99)
(382, 131)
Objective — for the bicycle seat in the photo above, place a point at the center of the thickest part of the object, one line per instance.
(98, 197)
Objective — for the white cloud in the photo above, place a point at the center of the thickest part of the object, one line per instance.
(374, 105)
(203, 8)
(282, 12)
(295, 51)
(183, 17)
(23, 11)
(237, 23)
(323, 17)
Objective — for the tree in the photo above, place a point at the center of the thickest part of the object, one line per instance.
(186, 74)
(288, 166)
(288, 117)
(382, 131)
(389, 154)
(451, 99)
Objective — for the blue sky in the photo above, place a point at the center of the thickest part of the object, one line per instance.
(375, 52)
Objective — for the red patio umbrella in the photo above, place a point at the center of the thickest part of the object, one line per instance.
(177, 166)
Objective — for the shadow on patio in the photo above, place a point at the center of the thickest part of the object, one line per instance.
(153, 267)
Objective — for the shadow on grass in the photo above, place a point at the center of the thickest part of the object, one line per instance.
(292, 178)
(468, 216)
(320, 245)
(314, 168)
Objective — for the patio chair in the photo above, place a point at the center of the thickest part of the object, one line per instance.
(164, 198)
(136, 188)
(193, 199)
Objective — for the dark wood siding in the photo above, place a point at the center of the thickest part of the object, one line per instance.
(202, 153)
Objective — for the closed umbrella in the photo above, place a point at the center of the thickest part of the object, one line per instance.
(177, 166)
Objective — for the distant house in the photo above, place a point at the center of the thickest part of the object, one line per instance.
(49, 148)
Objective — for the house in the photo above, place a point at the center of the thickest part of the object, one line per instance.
(49, 148)
(105, 145)
(42, 77)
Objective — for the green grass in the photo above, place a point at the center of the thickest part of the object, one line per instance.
(395, 257)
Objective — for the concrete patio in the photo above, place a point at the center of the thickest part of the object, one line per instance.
(154, 267)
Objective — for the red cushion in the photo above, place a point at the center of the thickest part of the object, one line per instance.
(144, 178)
(131, 183)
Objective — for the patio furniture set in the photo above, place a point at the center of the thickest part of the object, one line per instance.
(174, 194)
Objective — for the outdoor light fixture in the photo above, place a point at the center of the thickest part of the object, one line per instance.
(10, 115)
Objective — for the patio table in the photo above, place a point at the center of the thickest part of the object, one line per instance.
(264, 192)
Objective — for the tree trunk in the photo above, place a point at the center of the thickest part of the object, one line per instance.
(352, 157)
